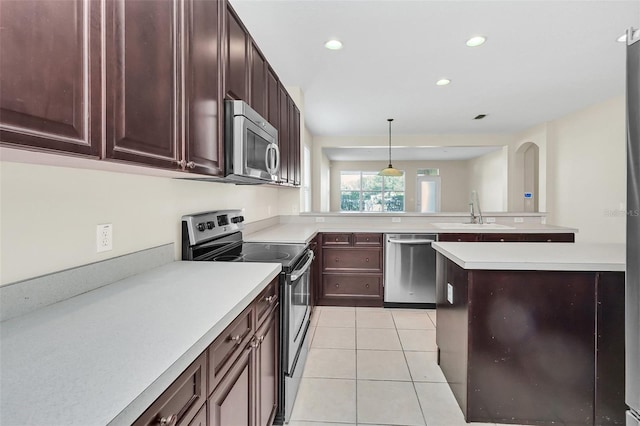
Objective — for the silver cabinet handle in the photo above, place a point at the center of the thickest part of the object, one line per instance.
(269, 299)
(191, 165)
(168, 421)
(236, 339)
(410, 241)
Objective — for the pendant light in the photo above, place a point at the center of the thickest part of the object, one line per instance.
(390, 171)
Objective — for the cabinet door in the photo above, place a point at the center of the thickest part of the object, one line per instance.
(142, 85)
(236, 57)
(204, 143)
(268, 368)
(258, 81)
(283, 134)
(231, 402)
(273, 100)
(549, 238)
(50, 74)
(294, 163)
(459, 237)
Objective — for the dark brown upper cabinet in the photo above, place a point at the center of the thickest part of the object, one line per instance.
(283, 134)
(204, 124)
(258, 81)
(143, 89)
(237, 75)
(50, 74)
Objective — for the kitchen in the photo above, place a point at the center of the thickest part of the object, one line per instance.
(51, 204)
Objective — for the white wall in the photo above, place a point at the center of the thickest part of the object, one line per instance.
(587, 171)
(454, 177)
(488, 176)
(49, 214)
(322, 188)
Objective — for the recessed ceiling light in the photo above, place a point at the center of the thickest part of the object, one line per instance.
(443, 82)
(622, 38)
(476, 41)
(333, 44)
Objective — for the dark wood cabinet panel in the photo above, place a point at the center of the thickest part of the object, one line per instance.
(237, 69)
(316, 273)
(351, 269)
(267, 300)
(284, 134)
(258, 81)
(273, 100)
(610, 363)
(201, 418)
(225, 349)
(203, 121)
(459, 237)
(142, 81)
(232, 401)
(336, 239)
(182, 401)
(501, 238)
(294, 144)
(549, 238)
(268, 365)
(367, 239)
(361, 285)
(362, 259)
(50, 74)
(518, 346)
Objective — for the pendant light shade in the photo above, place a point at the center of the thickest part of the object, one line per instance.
(390, 171)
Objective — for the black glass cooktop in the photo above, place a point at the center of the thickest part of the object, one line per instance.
(285, 254)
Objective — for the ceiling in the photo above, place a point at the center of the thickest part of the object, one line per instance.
(542, 60)
(417, 153)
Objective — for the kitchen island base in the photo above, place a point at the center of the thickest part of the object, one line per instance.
(532, 347)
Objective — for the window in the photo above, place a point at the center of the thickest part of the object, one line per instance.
(368, 192)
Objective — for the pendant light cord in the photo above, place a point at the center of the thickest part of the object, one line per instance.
(390, 120)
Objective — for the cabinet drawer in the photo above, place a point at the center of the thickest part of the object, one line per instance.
(501, 238)
(183, 399)
(336, 239)
(357, 260)
(367, 239)
(227, 347)
(334, 285)
(459, 237)
(549, 238)
(267, 300)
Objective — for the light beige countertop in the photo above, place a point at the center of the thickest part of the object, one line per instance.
(304, 232)
(535, 256)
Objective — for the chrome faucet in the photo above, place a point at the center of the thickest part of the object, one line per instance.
(475, 200)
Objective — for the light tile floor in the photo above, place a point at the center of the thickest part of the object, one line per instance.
(374, 366)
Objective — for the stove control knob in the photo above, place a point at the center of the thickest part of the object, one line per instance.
(201, 227)
(210, 225)
(237, 219)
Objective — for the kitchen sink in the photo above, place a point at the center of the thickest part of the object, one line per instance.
(472, 226)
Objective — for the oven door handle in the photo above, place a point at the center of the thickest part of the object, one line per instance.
(296, 274)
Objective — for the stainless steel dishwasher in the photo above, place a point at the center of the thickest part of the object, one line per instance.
(410, 270)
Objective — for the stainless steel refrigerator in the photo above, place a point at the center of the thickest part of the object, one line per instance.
(633, 230)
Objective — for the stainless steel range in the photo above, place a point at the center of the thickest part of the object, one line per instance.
(217, 236)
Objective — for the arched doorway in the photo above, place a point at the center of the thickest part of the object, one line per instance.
(528, 161)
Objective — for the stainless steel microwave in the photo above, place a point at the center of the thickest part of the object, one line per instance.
(251, 146)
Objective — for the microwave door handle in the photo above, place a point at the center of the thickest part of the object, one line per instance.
(267, 158)
(276, 165)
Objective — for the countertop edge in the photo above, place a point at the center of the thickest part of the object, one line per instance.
(145, 399)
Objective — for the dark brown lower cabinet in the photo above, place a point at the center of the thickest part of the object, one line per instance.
(521, 347)
(230, 403)
(509, 237)
(243, 367)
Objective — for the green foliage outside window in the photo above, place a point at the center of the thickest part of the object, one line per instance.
(368, 192)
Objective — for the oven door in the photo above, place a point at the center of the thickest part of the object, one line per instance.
(256, 152)
(299, 309)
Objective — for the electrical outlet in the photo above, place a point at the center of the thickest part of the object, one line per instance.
(518, 220)
(396, 219)
(104, 237)
(319, 219)
(490, 219)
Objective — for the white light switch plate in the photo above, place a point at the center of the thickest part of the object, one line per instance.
(319, 219)
(490, 220)
(396, 219)
(518, 219)
(450, 293)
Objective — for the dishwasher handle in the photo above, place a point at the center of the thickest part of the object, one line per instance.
(395, 241)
